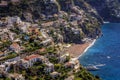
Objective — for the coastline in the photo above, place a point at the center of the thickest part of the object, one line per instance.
(77, 50)
(90, 45)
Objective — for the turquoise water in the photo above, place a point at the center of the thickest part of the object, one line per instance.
(105, 53)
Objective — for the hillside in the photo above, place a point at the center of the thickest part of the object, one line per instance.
(35, 34)
(109, 10)
(75, 14)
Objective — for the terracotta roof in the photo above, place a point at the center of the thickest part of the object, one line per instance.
(1, 52)
(31, 57)
(42, 50)
(15, 45)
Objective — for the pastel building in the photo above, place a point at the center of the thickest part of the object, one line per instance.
(30, 60)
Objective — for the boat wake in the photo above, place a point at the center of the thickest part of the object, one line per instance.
(108, 57)
(100, 65)
(91, 67)
(97, 65)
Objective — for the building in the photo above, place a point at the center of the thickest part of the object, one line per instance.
(33, 30)
(47, 24)
(13, 59)
(24, 26)
(69, 65)
(55, 74)
(2, 68)
(12, 36)
(63, 58)
(5, 67)
(76, 31)
(47, 42)
(49, 67)
(73, 63)
(76, 63)
(4, 37)
(43, 33)
(1, 53)
(16, 76)
(12, 20)
(15, 47)
(70, 78)
(30, 60)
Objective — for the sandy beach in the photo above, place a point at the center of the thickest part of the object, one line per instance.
(76, 50)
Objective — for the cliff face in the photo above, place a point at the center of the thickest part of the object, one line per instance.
(38, 7)
(34, 7)
(109, 10)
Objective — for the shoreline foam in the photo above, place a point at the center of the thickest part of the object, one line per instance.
(91, 44)
(77, 50)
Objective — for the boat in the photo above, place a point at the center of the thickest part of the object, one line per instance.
(91, 68)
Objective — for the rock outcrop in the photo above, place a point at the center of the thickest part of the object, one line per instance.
(109, 10)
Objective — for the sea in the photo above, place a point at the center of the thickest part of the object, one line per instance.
(105, 53)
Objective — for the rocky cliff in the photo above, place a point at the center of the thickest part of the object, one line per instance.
(109, 10)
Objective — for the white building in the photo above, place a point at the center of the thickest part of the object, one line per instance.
(49, 67)
(12, 20)
(30, 60)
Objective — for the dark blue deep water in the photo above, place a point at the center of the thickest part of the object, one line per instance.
(105, 53)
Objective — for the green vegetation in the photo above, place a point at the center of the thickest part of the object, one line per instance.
(4, 44)
(63, 31)
(10, 56)
(5, 79)
(85, 75)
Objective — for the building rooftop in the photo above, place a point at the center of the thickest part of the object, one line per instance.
(16, 76)
(15, 45)
(31, 57)
(1, 53)
(2, 66)
(54, 73)
(49, 64)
